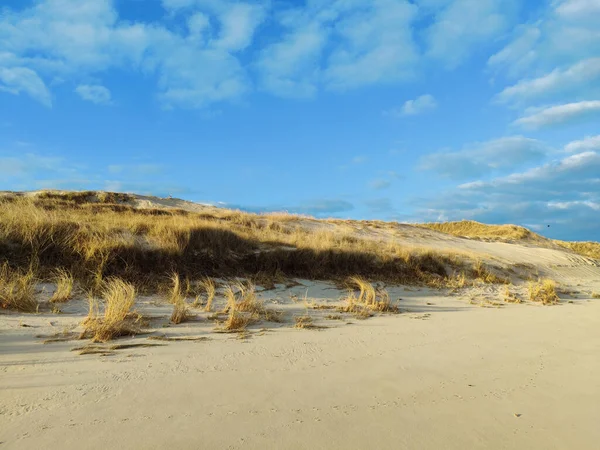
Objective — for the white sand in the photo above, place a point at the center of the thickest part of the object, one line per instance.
(454, 379)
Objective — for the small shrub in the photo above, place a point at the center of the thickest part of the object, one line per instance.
(544, 292)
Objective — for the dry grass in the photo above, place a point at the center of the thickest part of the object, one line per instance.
(589, 249)
(180, 313)
(94, 240)
(118, 319)
(303, 322)
(477, 230)
(544, 292)
(241, 297)
(595, 294)
(369, 299)
(17, 289)
(64, 287)
(209, 287)
(511, 297)
(175, 294)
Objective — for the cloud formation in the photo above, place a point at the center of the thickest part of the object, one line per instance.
(557, 115)
(94, 93)
(420, 105)
(483, 158)
(207, 51)
(564, 193)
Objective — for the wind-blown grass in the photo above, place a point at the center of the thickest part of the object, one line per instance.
(64, 287)
(17, 289)
(118, 318)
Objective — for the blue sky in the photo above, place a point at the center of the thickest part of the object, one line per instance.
(419, 110)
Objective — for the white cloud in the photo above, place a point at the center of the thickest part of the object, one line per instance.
(21, 79)
(94, 93)
(583, 75)
(340, 45)
(578, 9)
(420, 105)
(73, 39)
(556, 115)
(565, 34)
(463, 25)
(563, 192)
(587, 144)
(485, 157)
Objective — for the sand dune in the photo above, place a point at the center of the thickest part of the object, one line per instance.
(444, 373)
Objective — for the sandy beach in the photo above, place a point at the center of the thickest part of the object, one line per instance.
(446, 375)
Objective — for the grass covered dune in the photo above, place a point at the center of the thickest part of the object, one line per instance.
(93, 236)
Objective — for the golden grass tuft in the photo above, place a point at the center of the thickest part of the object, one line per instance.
(544, 292)
(595, 294)
(64, 287)
(209, 287)
(175, 294)
(369, 299)
(180, 313)
(118, 319)
(17, 289)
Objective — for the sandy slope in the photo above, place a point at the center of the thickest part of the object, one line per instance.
(443, 374)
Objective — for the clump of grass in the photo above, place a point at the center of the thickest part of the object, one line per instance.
(334, 317)
(304, 321)
(483, 274)
(369, 299)
(17, 289)
(511, 297)
(543, 291)
(209, 287)
(118, 319)
(180, 313)
(242, 297)
(64, 287)
(595, 294)
(175, 295)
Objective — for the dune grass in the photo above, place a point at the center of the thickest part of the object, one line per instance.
(95, 240)
(118, 318)
(181, 311)
(511, 297)
(64, 287)
(369, 299)
(543, 291)
(17, 289)
(473, 229)
(209, 287)
(589, 249)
